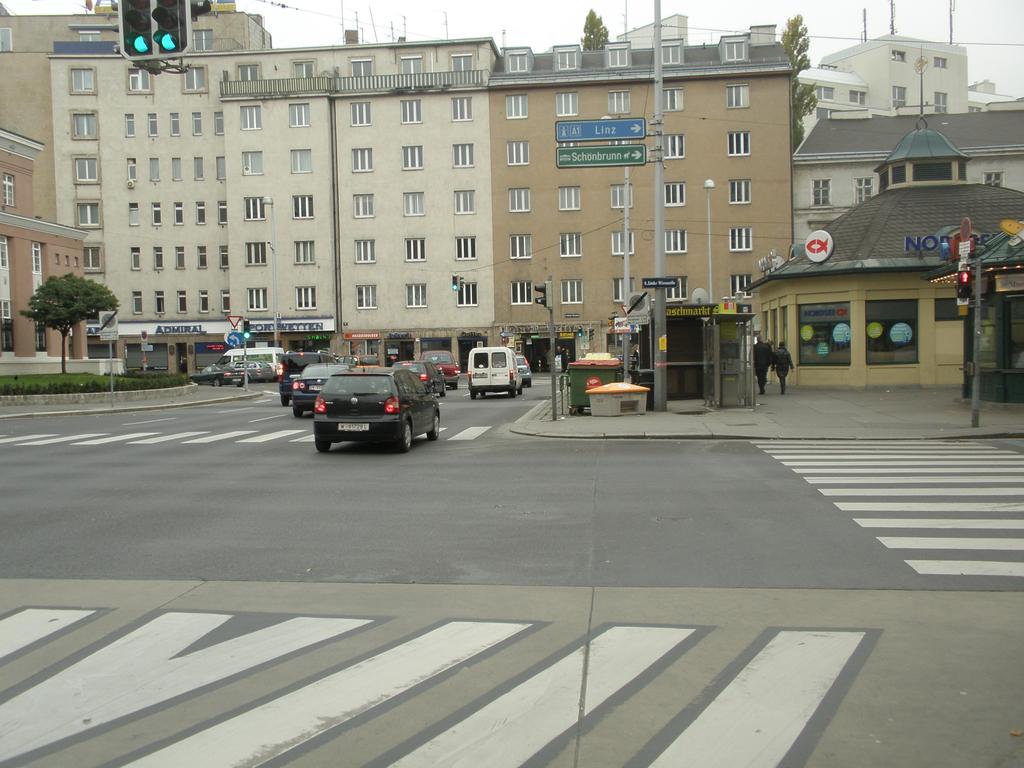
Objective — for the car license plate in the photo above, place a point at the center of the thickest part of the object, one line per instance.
(315, 387)
(351, 426)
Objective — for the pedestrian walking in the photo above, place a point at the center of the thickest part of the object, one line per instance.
(782, 364)
(763, 359)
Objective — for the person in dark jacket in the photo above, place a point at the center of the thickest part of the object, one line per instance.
(763, 359)
(783, 363)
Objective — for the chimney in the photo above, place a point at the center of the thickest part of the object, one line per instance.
(351, 37)
(762, 35)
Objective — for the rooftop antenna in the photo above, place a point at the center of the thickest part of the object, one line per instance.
(952, 7)
(445, 25)
(373, 26)
(892, 17)
(864, 31)
(921, 65)
(503, 42)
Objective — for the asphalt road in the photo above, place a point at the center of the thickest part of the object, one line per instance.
(200, 587)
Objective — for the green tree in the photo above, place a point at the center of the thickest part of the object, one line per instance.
(595, 33)
(802, 98)
(63, 302)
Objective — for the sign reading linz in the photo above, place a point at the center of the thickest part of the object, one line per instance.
(601, 130)
(601, 156)
(659, 282)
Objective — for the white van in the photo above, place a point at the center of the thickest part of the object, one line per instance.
(259, 354)
(493, 369)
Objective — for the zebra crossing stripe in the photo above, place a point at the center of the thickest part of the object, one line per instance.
(114, 439)
(966, 568)
(921, 491)
(928, 506)
(514, 727)
(272, 729)
(469, 433)
(922, 457)
(23, 437)
(872, 480)
(167, 438)
(938, 522)
(939, 542)
(65, 439)
(756, 719)
(220, 436)
(959, 464)
(272, 436)
(843, 469)
(31, 625)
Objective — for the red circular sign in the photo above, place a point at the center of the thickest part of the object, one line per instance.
(593, 381)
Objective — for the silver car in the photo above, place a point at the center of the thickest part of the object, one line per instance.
(524, 370)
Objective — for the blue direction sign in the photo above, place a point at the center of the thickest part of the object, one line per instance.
(601, 130)
(234, 339)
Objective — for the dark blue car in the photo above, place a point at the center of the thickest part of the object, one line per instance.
(309, 384)
(290, 366)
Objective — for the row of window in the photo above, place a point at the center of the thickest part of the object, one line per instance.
(863, 187)
(305, 299)
(304, 253)
(37, 256)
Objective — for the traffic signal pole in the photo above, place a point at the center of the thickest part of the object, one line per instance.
(551, 347)
(976, 347)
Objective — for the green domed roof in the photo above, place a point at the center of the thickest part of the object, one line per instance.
(923, 143)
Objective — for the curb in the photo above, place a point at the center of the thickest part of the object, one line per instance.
(126, 407)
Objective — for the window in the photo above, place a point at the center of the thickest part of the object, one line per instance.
(522, 292)
(158, 258)
(303, 69)
(822, 113)
(302, 206)
(198, 169)
(619, 243)
(617, 288)
(152, 126)
(360, 113)
(175, 169)
(825, 93)
(139, 81)
(84, 125)
(737, 96)
(858, 97)
(462, 108)
(739, 143)
(257, 299)
(467, 294)
(361, 67)
(412, 203)
(251, 118)
(204, 302)
(131, 169)
(462, 62)
(672, 99)
(739, 284)
(362, 160)
(517, 62)
(415, 295)
(671, 53)
(415, 249)
(83, 81)
(179, 213)
(252, 163)
(941, 101)
(675, 241)
(6, 45)
(462, 155)
(298, 115)
(91, 258)
(411, 65)
(993, 178)
(821, 192)
(570, 244)
(37, 258)
(179, 257)
(175, 124)
(136, 302)
(891, 331)
(862, 189)
(740, 239)
(735, 50)
(572, 291)
(618, 102)
(366, 251)
(362, 206)
(135, 255)
(520, 246)
(675, 193)
(88, 214)
(254, 209)
(518, 152)
(517, 107)
(412, 111)
(825, 334)
(739, 191)
(305, 252)
(225, 300)
(129, 125)
(225, 261)
(182, 302)
(568, 58)
(678, 291)
(248, 72)
(218, 123)
(940, 62)
(465, 248)
(618, 56)
(465, 201)
(197, 123)
(305, 297)
(5, 260)
(154, 169)
(896, 55)
(519, 200)
(675, 146)
(412, 158)
(85, 172)
(302, 161)
(899, 96)
(222, 167)
(222, 211)
(201, 259)
(366, 297)
(256, 253)
(567, 104)
(568, 198)
(619, 196)
(195, 79)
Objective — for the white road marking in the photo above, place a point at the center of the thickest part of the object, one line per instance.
(469, 433)
(946, 478)
(928, 506)
(966, 568)
(937, 522)
(167, 438)
(220, 436)
(142, 669)
(304, 439)
(922, 457)
(149, 421)
(271, 729)
(33, 624)
(921, 491)
(271, 436)
(24, 437)
(909, 450)
(840, 469)
(65, 439)
(988, 464)
(938, 542)
(843, 444)
(267, 418)
(115, 438)
(511, 729)
(756, 719)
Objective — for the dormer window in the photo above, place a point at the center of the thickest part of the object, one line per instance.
(567, 58)
(734, 50)
(672, 54)
(897, 55)
(618, 56)
(517, 62)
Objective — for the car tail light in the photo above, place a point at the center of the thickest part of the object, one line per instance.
(458, 371)
(424, 377)
(280, 371)
(511, 375)
(298, 385)
(391, 405)
(320, 406)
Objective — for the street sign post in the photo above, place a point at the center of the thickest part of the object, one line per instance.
(601, 156)
(108, 326)
(613, 129)
(659, 282)
(234, 339)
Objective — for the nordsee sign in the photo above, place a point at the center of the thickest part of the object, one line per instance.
(934, 242)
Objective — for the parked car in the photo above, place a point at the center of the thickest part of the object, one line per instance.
(306, 387)
(290, 365)
(258, 371)
(524, 370)
(448, 364)
(367, 360)
(211, 374)
(428, 373)
(375, 405)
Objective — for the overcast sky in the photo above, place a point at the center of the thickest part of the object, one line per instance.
(992, 30)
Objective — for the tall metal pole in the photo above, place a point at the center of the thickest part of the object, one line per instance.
(976, 357)
(273, 267)
(551, 345)
(627, 203)
(658, 320)
(709, 184)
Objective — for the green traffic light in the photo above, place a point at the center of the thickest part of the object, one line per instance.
(139, 45)
(167, 42)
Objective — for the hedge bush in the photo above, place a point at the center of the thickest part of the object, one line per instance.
(74, 383)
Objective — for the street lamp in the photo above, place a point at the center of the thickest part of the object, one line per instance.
(269, 201)
(709, 184)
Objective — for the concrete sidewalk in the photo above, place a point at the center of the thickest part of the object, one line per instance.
(197, 395)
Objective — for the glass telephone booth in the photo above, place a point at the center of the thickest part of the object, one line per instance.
(728, 361)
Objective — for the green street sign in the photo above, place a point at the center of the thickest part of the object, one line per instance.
(601, 156)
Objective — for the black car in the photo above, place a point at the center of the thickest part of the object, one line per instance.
(306, 387)
(429, 373)
(375, 405)
(290, 365)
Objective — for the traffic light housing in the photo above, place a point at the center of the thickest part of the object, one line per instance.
(542, 290)
(456, 280)
(155, 29)
(963, 283)
(246, 330)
